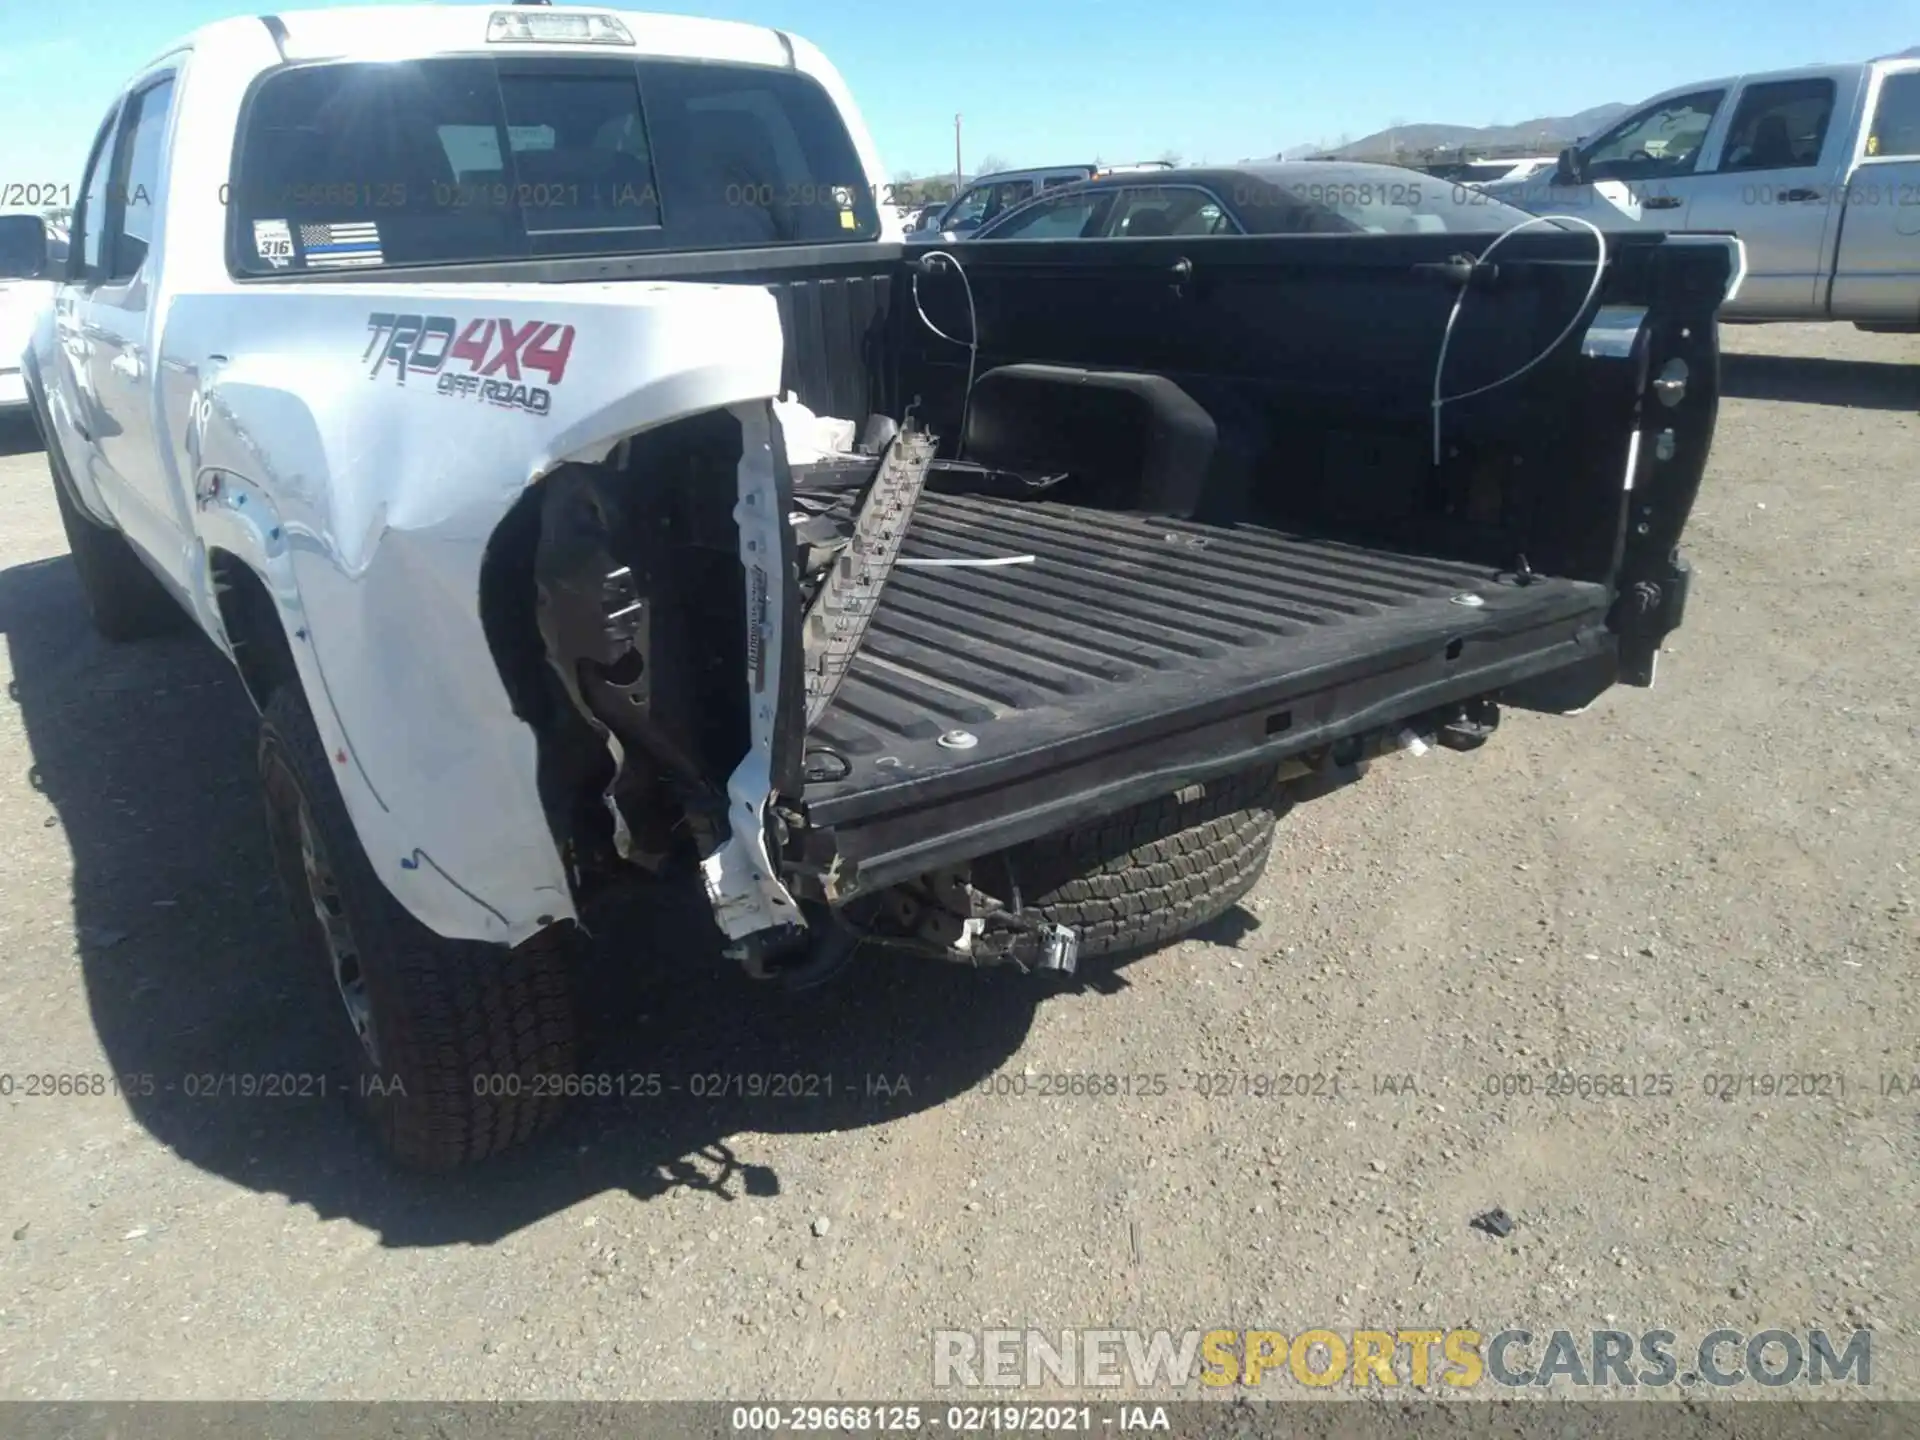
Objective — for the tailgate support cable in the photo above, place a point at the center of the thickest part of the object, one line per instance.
(1446, 336)
(923, 265)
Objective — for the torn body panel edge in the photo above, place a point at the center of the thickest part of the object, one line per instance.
(743, 886)
(659, 661)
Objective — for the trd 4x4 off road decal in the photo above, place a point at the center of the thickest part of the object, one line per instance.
(495, 352)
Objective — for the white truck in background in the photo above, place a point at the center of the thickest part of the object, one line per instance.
(1816, 169)
(31, 251)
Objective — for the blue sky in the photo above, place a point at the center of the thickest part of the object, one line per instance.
(1053, 81)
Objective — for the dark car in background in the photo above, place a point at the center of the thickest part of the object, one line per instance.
(990, 196)
(1272, 198)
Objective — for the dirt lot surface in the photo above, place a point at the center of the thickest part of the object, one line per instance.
(1714, 878)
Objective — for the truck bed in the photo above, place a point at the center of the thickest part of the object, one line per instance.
(1136, 653)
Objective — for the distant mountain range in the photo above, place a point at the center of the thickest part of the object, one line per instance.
(1548, 135)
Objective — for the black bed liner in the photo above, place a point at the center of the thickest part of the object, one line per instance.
(1136, 653)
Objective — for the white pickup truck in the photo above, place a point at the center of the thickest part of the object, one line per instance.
(592, 500)
(29, 252)
(1816, 169)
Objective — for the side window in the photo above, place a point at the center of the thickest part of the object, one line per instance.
(134, 202)
(1009, 193)
(1065, 217)
(1207, 219)
(1152, 210)
(1140, 214)
(970, 207)
(1896, 118)
(1054, 182)
(90, 220)
(1779, 126)
(1663, 139)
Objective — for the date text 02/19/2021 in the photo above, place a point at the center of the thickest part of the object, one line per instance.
(1046, 1419)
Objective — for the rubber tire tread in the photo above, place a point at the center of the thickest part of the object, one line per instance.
(124, 600)
(455, 1019)
(1149, 874)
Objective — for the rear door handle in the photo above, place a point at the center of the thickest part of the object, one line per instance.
(1662, 202)
(1799, 194)
(125, 365)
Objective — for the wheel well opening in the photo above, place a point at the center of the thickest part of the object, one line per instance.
(613, 599)
(251, 620)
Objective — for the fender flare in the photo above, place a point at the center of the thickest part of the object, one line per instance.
(234, 516)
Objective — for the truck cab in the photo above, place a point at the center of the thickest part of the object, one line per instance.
(1817, 170)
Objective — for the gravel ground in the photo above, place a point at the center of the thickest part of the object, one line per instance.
(1716, 877)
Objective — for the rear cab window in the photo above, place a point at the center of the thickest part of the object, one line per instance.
(1895, 130)
(1779, 125)
(347, 165)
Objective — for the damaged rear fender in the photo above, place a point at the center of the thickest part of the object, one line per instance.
(364, 497)
(416, 851)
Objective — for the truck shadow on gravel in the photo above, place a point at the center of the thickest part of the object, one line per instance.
(1817, 380)
(146, 755)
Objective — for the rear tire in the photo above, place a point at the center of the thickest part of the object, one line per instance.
(460, 1049)
(124, 600)
(1152, 873)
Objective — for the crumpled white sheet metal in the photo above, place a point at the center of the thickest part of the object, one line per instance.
(811, 437)
(365, 492)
